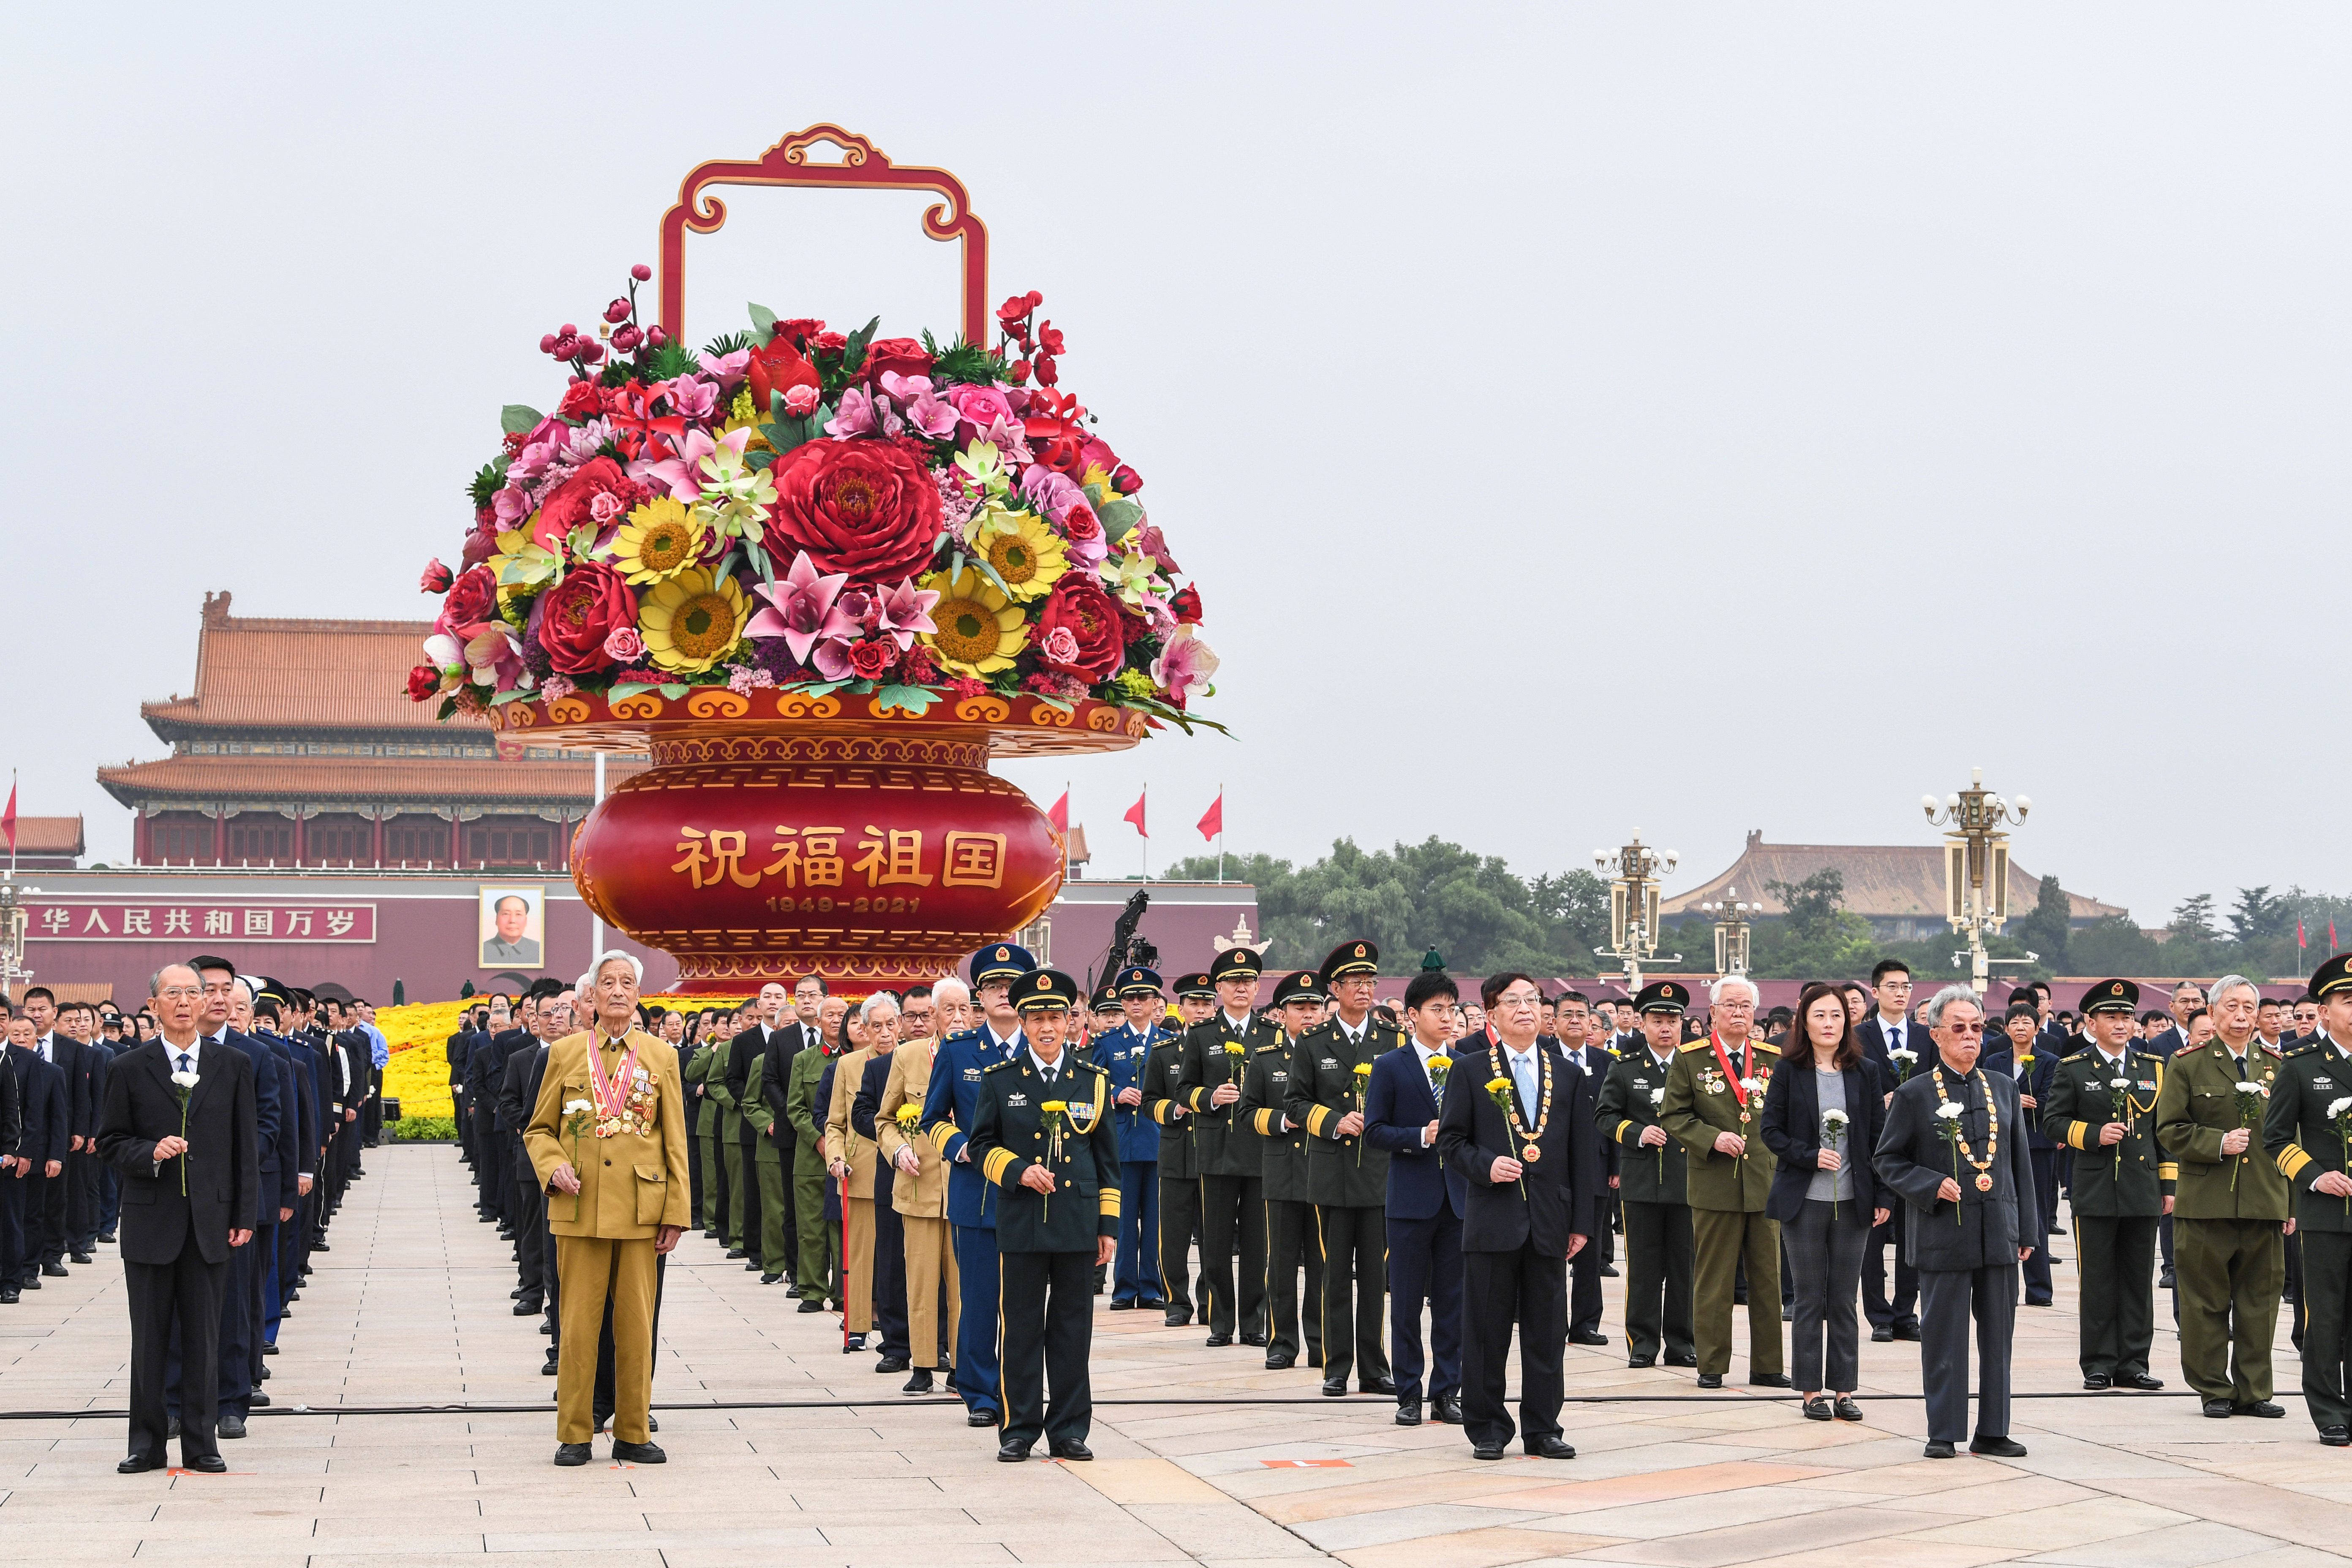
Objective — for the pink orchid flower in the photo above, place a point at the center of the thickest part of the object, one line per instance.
(682, 473)
(799, 606)
(692, 397)
(863, 414)
(1186, 665)
(906, 610)
(728, 369)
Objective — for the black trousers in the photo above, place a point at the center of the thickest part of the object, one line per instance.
(1949, 1298)
(530, 1230)
(262, 1248)
(1048, 1310)
(1529, 1290)
(1233, 1209)
(1180, 1218)
(1355, 1247)
(1824, 1245)
(1425, 1265)
(83, 1185)
(465, 1120)
(187, 1291)
(789, 1266)
(1902, 1311)
(45, 1220)
(891, 1337)
(13, 1246)
(1584, 1274)
(2117, 1259)
(1657, 1281)
(2039, 1290)
(2325, 1312)
(750, 1147)
(1289, 1241)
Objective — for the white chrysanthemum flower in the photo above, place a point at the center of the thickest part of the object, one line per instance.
(570, 1106)
(2337, 1108)
(1948, 1111)
(185, 1079)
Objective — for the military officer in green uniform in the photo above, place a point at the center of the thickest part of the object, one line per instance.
(2102, 1104)
(820, 1239)
(1654, 1183)
(1289, 1210)
(1348, 1180)
(1714, 1108)
(1044, 1135)
(2229, 1208)
(1180, 1173)
(2305, 1131)
(1233, 1193)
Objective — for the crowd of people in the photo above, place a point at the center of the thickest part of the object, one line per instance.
(76, 1173)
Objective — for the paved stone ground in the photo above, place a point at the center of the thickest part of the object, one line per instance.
(411, 1308)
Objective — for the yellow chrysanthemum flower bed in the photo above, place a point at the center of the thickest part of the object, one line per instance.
(418, 1073)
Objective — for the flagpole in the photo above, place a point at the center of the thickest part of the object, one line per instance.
(1144, 833)
(1220, 833)
(12, 826)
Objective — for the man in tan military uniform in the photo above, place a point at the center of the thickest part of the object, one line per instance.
(1715, 1108)
(920, 1196)
(608, 1142)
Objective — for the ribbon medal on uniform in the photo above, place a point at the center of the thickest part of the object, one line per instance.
(612, 1095)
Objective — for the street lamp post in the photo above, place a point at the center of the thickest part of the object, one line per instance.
(14, 923)
(1730, 933)
(1635, 873)
(1976, 867)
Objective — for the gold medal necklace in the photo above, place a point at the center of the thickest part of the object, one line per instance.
(1960, 1140)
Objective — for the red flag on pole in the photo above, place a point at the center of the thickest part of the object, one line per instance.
(1212, 821)
(2332, 943)
(1135, 814)
(2299, 942)
(8, 819)
(1060, 815)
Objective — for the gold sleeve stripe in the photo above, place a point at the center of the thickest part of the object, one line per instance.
(1193, 1098)
(1110, 1203)
(1159, 1111)
(1623, 1127)
(1102, 1088)
(2292, 1160)
(1263, 1122)
(940, 1133)
(2167, 1172)
(1317, 1119)
(2075, 1130)
(994, 1164)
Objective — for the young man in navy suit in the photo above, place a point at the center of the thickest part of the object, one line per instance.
(1425, 1204)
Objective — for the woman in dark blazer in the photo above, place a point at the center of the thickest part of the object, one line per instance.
(1824, 1194)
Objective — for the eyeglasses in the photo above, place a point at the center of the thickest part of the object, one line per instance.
(181, 993)
(1964, 1028)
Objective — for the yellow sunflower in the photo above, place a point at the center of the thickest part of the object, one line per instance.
(1031, 558)
(689, 621)
(660, 540)
(980, 629)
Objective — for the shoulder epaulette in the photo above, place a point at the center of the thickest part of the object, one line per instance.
(1764, 1046)
(2275, 1051)
(2306, 1048)
(2077, 1057)
(1000, 1066)
(1276, 1047)
(1696, 1045)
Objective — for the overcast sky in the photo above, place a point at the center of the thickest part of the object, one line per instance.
(1576, 417)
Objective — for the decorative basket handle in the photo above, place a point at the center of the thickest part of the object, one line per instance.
(863, 166)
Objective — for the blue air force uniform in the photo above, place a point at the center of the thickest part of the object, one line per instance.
(1124, 1054)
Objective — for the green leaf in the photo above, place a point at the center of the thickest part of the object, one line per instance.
(1119, 516)
(726, 343)
(760, 560)
(763, 322)
(512, 694)
(979, 563)
(667, 363)
(854, 355)
(628, 689)
(816, 687)
(913, 698)
(759, 462)
(929, 347)
(674, 689)
(515, 419)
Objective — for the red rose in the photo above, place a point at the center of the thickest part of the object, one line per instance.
(572, 619)
(778, 368)
(905, 355)
(1077, 606)
(472, 599)
(583, 401)
(872, 659)
(827, 343)
(798, 330)
(435, 579)
(423, 683)
(480, 545)
(866, 507)
(1082, 528)
(567, 505)
(1186, 605)
(1126, 480)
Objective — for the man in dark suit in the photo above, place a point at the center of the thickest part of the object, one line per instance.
(279, 1183)
(1971, 1219)
(764, 1038)
(1572, 1018)
(550, 1021)
(297, 1161)
(35, 1193)
(798, 1032)
(77, 1188)
(2188, 998)
(1530, 1164)
(12, 1134)
(1883, 1035)
(1425, 1204)
(486, 1066)
(459, 1044)
(191, 1184)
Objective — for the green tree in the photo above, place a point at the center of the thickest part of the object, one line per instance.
(2257, 918)
(2194, 919)
(1817, 939)
(2113, 944)
(2047, 929)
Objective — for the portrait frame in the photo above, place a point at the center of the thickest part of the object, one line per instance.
(492, 949)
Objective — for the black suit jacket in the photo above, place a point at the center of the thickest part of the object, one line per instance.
(1596, 1061)
(11, 1108)
(782, 1045)
(1472, 1134)
(41, 1089)
(1792, 1119)
(222, 1170)
(1913, 1158)
(2165, 1043)
(1873, 1036)
(751, 1043)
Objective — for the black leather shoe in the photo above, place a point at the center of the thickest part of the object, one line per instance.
(1177, 1319)
(1588, 1337)
(83, 1257)
(1550, 1448)
(1676, 1358)
(1152, 1304)
(1642, 1363)
(30, 1282)
(892, 1363)
(922, 1382)
(2095, 1381)
(1996, 1447)
(571, 1454)
(1906, 1331)
(1335, 1388)
(2216, 1409)
(810, 1306)
(1710, 1380)
(736, 1252)
(1941, 1451)
(1485, 1450)
(2336, 1437)
(771, 1279)
(1280, 1363)
(639, 1454)
(1218, 1342)
(1845, 1409)
(1073, 1449)
(258, 1400)
(1408, 1413)
(2262, 1407)
(107, 1237)
(172, 1427)
(551, 1368)
(1768, 1380)
(2140, 1381)
(979, 1417)
(1122, 1306)
(270, 1349)
(1011, 1451)
(515, 1294)
(1257, 1339)
(1817, 1408)
(529, 1308)
(1609, 1271)
(210, 1465)
(1447, 1409)
(139, 1464)
(10, 1296)
(54, 1270)
(2166, 1280)
(231, 1425)
(1377, 1383)
(1882, 1335)
(547, 1327)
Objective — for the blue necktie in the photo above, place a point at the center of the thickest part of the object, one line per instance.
(1523, 1067)
(184, 1061)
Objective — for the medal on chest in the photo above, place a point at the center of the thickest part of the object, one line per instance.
(1984, 1167)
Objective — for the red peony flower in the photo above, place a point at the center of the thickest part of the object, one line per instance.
(1078, 605)
(423, 683)
(872, 659)
(583, 401)
(905, 355)
(779, 368)
(472, 599)
(572, 619)
(798, 330)
(1186, 603)
(866, 507)
(567, 505)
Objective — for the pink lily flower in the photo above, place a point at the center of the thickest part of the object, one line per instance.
(682, 473)
(832, 659)
(862, 414)
(799, 606)
(1185, 666)
(849, 614)
(728, 369)
(906, 610)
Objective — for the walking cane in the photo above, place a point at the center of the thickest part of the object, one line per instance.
(842, 1269)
